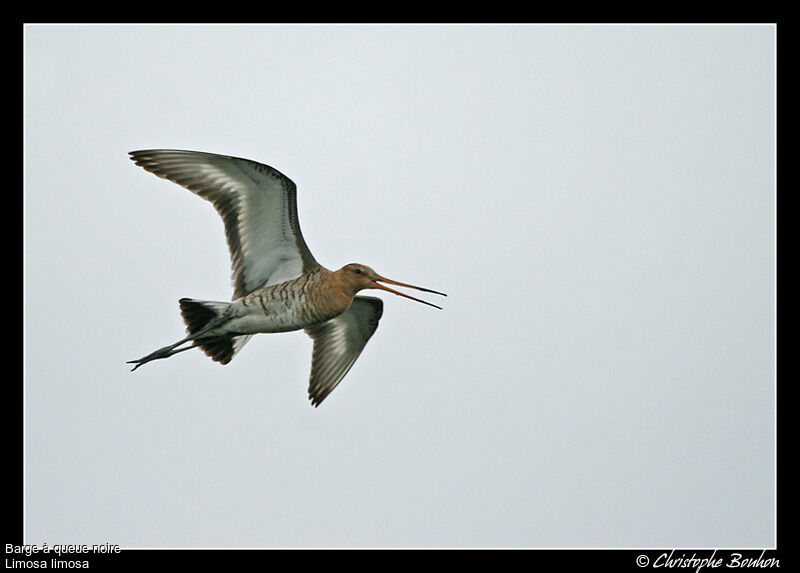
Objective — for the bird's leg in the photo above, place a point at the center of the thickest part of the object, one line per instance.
(164, 352)
(168, 351)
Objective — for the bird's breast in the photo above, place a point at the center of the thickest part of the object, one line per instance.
(292, 305)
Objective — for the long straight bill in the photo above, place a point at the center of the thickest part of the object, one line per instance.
(380, 286)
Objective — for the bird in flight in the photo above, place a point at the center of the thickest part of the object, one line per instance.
(278, 285)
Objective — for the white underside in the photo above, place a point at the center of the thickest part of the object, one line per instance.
(255, 324)
(253, 319)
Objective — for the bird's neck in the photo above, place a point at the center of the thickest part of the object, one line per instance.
(343, 288)
(332, 295)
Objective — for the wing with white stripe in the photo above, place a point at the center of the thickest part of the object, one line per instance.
(258, 205)
(338, 342)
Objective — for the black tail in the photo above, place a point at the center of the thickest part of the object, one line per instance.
(197, 314)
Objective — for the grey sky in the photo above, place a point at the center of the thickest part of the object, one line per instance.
(597, 201)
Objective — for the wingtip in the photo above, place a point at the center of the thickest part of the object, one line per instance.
(144, 152)
(138, 155)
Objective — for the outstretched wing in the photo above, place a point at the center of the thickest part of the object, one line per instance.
(258, 205)
(337, 344)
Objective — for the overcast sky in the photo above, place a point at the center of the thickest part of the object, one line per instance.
(597, 201)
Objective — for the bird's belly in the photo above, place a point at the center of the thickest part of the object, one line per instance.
(283, 308)
(258, 321)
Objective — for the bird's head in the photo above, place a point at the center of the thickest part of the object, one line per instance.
(358, 277)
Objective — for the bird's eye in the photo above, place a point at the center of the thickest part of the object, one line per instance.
(358, 272)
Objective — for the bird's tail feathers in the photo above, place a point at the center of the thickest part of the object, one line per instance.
(198, 314)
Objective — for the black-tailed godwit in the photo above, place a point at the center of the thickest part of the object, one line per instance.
(278, 285)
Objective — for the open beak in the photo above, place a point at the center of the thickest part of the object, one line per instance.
(391, 282)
